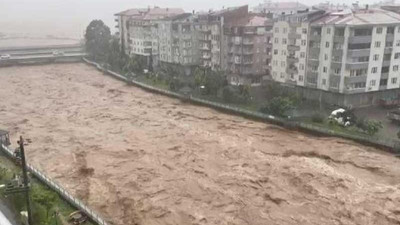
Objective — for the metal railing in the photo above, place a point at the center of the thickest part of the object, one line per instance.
(94, 216)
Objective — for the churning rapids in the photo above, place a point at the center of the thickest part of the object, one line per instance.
(146, 159)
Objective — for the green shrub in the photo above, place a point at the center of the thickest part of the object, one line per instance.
(279, 106)
(370, 127)
(317, 118)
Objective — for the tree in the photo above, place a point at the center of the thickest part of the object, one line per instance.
(97, 38)
(116, 58)
(279, 106)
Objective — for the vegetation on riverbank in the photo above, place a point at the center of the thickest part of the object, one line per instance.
(48, 208)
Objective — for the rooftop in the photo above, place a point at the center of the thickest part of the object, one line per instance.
(277, 6)
(151, 13)
(359, 17)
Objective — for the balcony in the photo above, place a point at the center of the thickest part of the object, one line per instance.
(315, 38)
(314, 52)
(389, 37)
(338, 39)
(388, 50)
(292, 59)
(337, 53)
(385, 75)
(248, 42)
(293, 48)
(292, 70)
(313, 62)
(334, 78)
(385, 63)
(247, 52)
(356, 65)
(294, 36)
(360, 39)
(206, 56)
(358, 52)
(355, 79)
(205, 48)
(336, 65)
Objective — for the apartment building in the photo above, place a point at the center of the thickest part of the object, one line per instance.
(139, 31)
(352, 55)
(231, 40)
(249, 50)
(356, 51)
(290, 43)
(279, 8)
(178, 41)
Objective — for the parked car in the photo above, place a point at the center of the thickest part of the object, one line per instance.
(5, 56)
(342, 117)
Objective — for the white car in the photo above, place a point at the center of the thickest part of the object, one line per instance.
(6, 56)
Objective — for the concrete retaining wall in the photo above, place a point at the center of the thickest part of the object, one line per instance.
(390, 145)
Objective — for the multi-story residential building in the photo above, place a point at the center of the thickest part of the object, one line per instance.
(123, 26)
(139, 30)
(178, 41)
(289, 52)
(249, 50)
(355, 51)
(351, 56)
(279, 8)
(231, 40)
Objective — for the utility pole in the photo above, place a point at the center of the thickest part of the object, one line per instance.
(26, 181)
(24, 188)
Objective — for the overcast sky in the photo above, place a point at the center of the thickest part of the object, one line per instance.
(69, 18)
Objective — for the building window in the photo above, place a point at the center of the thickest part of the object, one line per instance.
(282, 75)
(303, 42)
(328, 31)
(284, 41)
(276, 29)
(284, 52)
(301, 66)
(398, 43)
(275, 51)
(304, 30)
(379, 30)
(394, 80)
(396, 68)
(325, 69)
(374, 69)
(337, 71)
(276, 40)
(359, 85)
(324, 81)
(397, 55)
(372, 83)
(283, 64)
(302, 54)
(377, 44)
(326, 56)
(301, 78)
(376, 57)
(327, 44)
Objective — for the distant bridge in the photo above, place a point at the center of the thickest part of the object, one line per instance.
(41, 54)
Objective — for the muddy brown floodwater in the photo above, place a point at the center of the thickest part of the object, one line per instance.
(146, 159)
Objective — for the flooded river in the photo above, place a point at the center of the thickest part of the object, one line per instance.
(146, 159)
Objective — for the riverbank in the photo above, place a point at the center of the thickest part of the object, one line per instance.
(143, 158)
